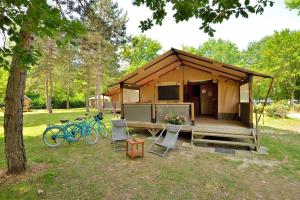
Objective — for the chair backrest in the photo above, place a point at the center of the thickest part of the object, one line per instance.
(171, 136)
(119, 128)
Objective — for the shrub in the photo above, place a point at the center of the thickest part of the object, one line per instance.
(77, 103)
(38, 101)
(259, 108)
(297, 107)
(277, 109)
(37, 104)
(174, 118)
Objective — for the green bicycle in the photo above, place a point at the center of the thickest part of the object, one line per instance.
(54, 135)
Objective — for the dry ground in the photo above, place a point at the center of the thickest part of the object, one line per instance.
(81, 171)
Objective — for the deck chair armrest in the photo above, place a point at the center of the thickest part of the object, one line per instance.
(160, 135)
(127, 131)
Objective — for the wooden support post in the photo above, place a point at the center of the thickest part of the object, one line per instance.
(192, 114)
(153, 119)
(121, 99)
(250, 101)
(266, 99)
(102, 101)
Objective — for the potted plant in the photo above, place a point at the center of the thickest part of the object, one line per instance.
(176, 119)
(134, 137)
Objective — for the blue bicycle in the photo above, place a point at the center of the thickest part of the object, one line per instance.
(97, 123)
(54, 135)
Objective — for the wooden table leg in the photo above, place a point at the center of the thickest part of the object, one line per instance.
(132, 148)
(126, 148)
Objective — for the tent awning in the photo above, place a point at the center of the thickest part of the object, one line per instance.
(175, 58)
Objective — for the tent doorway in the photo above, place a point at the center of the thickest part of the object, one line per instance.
(204, 95)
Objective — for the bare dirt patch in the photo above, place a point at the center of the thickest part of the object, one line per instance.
(248, 162)
(32, 169)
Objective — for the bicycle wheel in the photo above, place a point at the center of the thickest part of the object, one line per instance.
(73, 131)
(99, 127)
(90, 135)
(103, 130)
(53, 136)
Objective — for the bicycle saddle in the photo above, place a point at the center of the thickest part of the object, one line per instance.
(79, 119)
(100, 116)
(64, 121)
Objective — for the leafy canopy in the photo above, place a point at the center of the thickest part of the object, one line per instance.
(210, 12)
(139, 51)
(278, 55)
(293, 4)
(215, 48)
(39, 18)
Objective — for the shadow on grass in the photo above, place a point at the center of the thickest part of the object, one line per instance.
(37, 119)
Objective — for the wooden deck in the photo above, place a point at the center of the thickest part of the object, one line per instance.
(209, 130)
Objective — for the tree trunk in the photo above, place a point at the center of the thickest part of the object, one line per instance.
(46, 92)
(49, 67)
(97, 89)
(68, 94)
(13, 116)
(50, 90)
(88, 85)
(68, 84)
(292, 98)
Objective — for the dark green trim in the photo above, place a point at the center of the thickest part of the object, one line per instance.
(227, 116)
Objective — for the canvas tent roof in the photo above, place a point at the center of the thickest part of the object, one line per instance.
(175, 58)
(26, 97)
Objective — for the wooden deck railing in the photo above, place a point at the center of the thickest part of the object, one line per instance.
(147, 112)
(257, 131)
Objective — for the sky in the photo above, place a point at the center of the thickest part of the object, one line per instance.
(241, 31)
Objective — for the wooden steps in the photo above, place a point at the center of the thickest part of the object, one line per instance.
(224, 135)
(233, 137)
(229, 130)
(225, 142)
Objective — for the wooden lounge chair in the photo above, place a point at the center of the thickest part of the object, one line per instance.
(167, 142)
(120, 132)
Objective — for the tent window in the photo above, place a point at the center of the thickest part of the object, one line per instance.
(170, 92)
(244, 93)
(131, 96)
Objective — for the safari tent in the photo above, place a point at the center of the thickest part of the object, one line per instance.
(106, 102)
(215, 98)
(26, 104)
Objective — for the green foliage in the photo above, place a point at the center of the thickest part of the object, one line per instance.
(72, 65)
(293, 4)
(36, 18)
(3, 79)
(38, 101)
(220, 50)
(258, 108)
(139, 51)
(280, 57)
(209, 12)
(279, 109)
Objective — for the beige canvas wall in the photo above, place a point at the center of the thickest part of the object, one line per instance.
(228, 95)
(228, 90)
(147, 93)
(130, 96)
(115, 97)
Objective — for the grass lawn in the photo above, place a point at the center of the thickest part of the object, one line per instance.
(81, 171)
